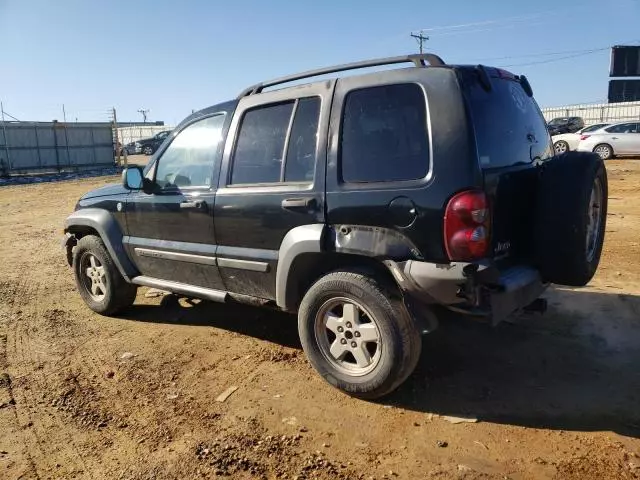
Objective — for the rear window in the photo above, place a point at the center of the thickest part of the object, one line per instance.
(509, 127)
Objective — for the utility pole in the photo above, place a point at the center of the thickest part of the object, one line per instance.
(143, 112)
(420, 39)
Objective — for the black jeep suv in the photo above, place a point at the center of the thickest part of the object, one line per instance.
(364, 203)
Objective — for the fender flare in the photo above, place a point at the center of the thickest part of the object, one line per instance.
(298, 240)
(107, 227)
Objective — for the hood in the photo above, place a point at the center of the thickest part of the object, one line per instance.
(107, 190)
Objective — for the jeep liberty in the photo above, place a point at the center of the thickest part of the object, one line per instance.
(363, 203)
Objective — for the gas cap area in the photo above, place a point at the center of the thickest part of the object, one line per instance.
(402, 211)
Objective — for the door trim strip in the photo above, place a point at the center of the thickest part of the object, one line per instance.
(243, 264)
(179, 257)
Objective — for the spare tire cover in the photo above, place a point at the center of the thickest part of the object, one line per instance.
(570, 218)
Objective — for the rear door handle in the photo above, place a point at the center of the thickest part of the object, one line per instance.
(298, 203)
(196, 205)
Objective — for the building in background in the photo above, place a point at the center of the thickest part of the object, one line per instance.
(625, 62)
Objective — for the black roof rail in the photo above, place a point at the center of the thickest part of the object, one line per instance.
(418, 60)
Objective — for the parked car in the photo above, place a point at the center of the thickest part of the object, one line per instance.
(147, 146)
(566, 142)
(365, 204)
(618, 139)
(565, 125)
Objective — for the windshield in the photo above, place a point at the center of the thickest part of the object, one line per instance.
(559, 121)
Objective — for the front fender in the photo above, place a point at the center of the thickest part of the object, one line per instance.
(107, 227)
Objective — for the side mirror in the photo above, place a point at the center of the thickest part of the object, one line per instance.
(132, 178)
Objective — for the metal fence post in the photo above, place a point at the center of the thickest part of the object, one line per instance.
(6, 141)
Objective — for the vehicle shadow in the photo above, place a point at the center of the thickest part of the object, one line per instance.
(574, 368)
(262, 323)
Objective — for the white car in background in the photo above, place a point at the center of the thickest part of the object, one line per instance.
(617, 139)
(569, 141)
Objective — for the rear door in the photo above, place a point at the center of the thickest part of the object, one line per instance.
(512, 142)
(272, 181)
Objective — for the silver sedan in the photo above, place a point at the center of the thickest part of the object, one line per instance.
(618, 139)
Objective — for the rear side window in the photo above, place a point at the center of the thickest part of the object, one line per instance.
(384, 134)
(593, 128)
(623, 128)
(509, 127)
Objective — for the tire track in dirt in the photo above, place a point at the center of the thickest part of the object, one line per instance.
(31, 354)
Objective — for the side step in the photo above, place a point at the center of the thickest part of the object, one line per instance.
(182, 288)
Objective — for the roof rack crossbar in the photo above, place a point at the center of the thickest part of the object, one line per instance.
(418, 60)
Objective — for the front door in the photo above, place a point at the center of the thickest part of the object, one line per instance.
(170, 231)
(272, 180)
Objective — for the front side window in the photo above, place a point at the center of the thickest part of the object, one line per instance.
(189, 160)
(271, 148)
(384, 134)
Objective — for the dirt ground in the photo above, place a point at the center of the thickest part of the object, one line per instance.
(85, 396)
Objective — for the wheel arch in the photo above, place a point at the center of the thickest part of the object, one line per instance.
(95, 221)
(303, 259)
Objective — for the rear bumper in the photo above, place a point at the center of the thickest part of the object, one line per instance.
(475, 289)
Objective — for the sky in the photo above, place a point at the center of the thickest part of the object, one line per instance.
(174, 56)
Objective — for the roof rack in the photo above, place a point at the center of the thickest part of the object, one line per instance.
(418, 60)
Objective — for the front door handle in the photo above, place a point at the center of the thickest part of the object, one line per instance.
(195, 205)
(299, 203)
(614, 138)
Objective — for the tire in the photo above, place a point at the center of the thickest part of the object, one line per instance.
(147, 150)
(561, 147)
(112, 294)
(393, 358)
(604, 151)
(566, 252)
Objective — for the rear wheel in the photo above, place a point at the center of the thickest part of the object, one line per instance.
(561, 147)
(99, 282)
(359, 337)
(571, 218)
(604, 151)
(147, 150)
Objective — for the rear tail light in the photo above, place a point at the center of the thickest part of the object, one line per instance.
(584, 137)
(467, 226)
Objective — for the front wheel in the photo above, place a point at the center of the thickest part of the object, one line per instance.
(99, 282)
(147, 150)
(359, 337)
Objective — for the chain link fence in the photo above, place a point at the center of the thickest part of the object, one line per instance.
(596, 112)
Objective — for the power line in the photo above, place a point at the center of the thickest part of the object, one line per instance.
(567, 57)
(501, 21)
(420, 38)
